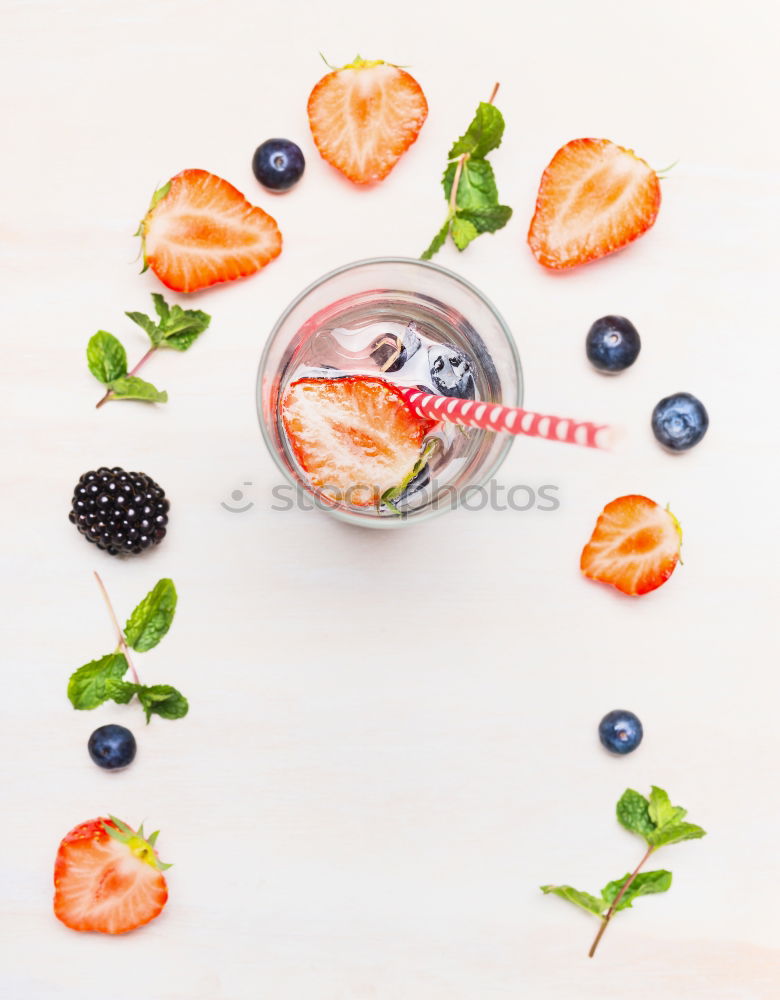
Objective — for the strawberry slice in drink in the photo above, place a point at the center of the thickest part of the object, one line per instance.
(354, 438)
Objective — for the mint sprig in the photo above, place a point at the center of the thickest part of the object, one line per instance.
(175, 327)
(102, 680)
(657, 821)
(470, 184)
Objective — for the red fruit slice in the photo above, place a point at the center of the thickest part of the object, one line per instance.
(635, 546)
(365, 116)
(200, 230)
(354, 437)
(106, 884)
(594, 198)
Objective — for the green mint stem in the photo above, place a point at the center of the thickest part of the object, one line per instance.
(108, 394)
(120, 634)
(616, 902)
(462, 163)
(456, 185)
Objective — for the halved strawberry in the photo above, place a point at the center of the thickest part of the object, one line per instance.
(365, 116)
(354, 437)
(108, 878)
(634, 546)
(200, 230)
(594, 198)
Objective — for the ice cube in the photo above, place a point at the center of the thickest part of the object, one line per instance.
(451, 373)
(391, 352)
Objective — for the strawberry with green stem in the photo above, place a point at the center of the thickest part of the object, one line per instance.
(634, 547)
(364, 116)
(200, 231)
(108, 877)
(595, 197)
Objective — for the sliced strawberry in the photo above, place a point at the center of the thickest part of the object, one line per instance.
(354, 437)
(104, 881)
(594, 198)
(634, 547)
(200, 230)
(365, 116)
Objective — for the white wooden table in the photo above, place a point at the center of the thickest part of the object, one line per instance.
(391, 740)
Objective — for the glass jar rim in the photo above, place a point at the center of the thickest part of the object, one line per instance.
(344, 515)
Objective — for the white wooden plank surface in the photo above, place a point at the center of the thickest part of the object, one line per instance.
(382, 763)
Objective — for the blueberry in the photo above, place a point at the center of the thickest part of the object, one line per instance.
(679, 421)
(620, 731)
(278, 164)
(451, 372)
(397, 351)
(112, 747)
(612, 344)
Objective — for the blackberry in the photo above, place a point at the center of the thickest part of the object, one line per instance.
(121, 512)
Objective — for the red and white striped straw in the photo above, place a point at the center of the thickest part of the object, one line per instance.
(505, 419)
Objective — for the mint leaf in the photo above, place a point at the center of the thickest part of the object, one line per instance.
(161, 307)
(633, 812)
(106, 358)
(644, 884)
(159, 699)
(178, 328)
(483, 134)
(463, 232)
(163, 700)
(487, 220)
(468, 223)
(395, 492)
(120, 691)
(182, 327)
(675, 833)
(146, 324)
(476, 187)
(661, 809)
(584, 899)
(87, 685)
(437, 242)
(152, 618)
(132, 387)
